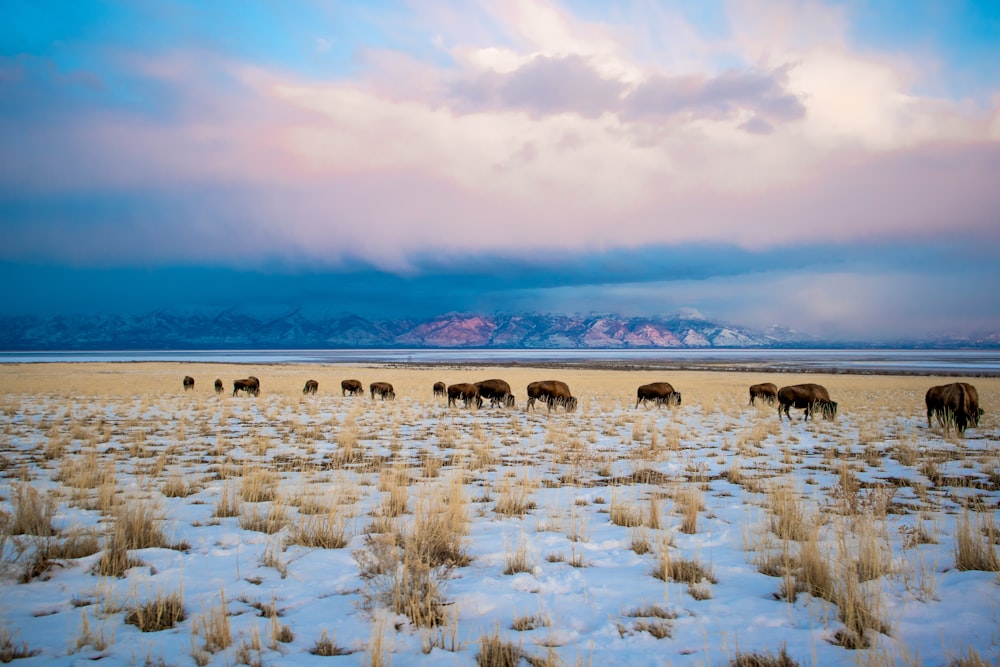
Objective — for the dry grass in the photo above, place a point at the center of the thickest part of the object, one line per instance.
(763, 659)
(326, 646)
(161, 613)
(13, 649)
(319, 472)
(495, 652)
(214, 628)
(517, 560)
(33, 512)
(974, 543)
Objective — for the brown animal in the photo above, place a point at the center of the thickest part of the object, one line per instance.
(188, 382)
(956, 403)
(440, 389)
(250, 385)
(312, 386)
(383, 389)
(553, 392)
(497, 391)
(352, 387)
(219, 387)
(767, 391)
(807, 397)
(465, 391)
(661, 393)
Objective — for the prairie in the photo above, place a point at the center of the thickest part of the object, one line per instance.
(144, 524)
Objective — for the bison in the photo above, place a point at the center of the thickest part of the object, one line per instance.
(807, 397)
(440, 389)
(352, 387)
(553, 392)
(956, 403)
(768, 391)
(219, 387)
(497, 391)
(188, 382)
(661, 393)
(250, 385)
(382, 389)
(465, 391)
(312, 386)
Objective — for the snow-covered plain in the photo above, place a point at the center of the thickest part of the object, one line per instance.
(583, 508)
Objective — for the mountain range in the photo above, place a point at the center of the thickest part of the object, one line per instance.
(297, 329)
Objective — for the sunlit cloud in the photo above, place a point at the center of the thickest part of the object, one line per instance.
(386, 133)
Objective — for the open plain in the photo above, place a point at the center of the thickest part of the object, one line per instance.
(144, 524)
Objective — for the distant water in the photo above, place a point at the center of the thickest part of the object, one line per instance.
(949, 362)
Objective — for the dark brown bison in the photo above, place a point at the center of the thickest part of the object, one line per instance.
(352, 387)
(767, 391)
(219, 387)
(807, 397)
(440, 389)
(469, 393)
(497, 391)
(312, 386)
(250, 385)
(661, 393)
(956, 403)
(188, 382)
(382, 389)
(934, 400)
(553, 392)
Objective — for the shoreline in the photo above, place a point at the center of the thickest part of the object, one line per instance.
(596, 365)
(899, 362)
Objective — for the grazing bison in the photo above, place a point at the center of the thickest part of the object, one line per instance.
(768, 391)
(382, 389)
(465, 391)
(250, 385)
(497, 391)
(352, 387)
(312, 386)
(219, 387)
(440, 389)
(553, 392)
(661, 393)
(188, 382)
(807, 397)
(956, 403)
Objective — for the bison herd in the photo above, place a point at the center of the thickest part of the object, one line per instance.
(955, 404)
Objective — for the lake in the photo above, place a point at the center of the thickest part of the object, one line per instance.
(925, 362)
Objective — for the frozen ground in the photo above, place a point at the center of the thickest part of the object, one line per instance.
(839, 541)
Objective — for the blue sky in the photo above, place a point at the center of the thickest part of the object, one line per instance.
(830, 167)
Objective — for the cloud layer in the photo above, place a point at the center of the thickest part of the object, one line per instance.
(386, 134)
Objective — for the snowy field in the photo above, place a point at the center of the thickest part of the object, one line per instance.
(144, 525)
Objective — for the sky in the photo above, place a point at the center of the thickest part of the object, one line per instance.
(832, 167)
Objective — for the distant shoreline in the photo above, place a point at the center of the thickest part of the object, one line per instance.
(902, 362)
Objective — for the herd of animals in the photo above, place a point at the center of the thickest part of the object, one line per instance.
(952, 404)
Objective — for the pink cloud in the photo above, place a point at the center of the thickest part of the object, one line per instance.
(557, 140)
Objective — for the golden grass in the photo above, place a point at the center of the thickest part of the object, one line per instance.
(417, 474)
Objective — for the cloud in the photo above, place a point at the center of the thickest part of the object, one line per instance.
(716, 98)
(571, 84)
(543, 85)
(543, 133)
(872, 292)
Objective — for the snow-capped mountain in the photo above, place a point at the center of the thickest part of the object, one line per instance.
(297, 329)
